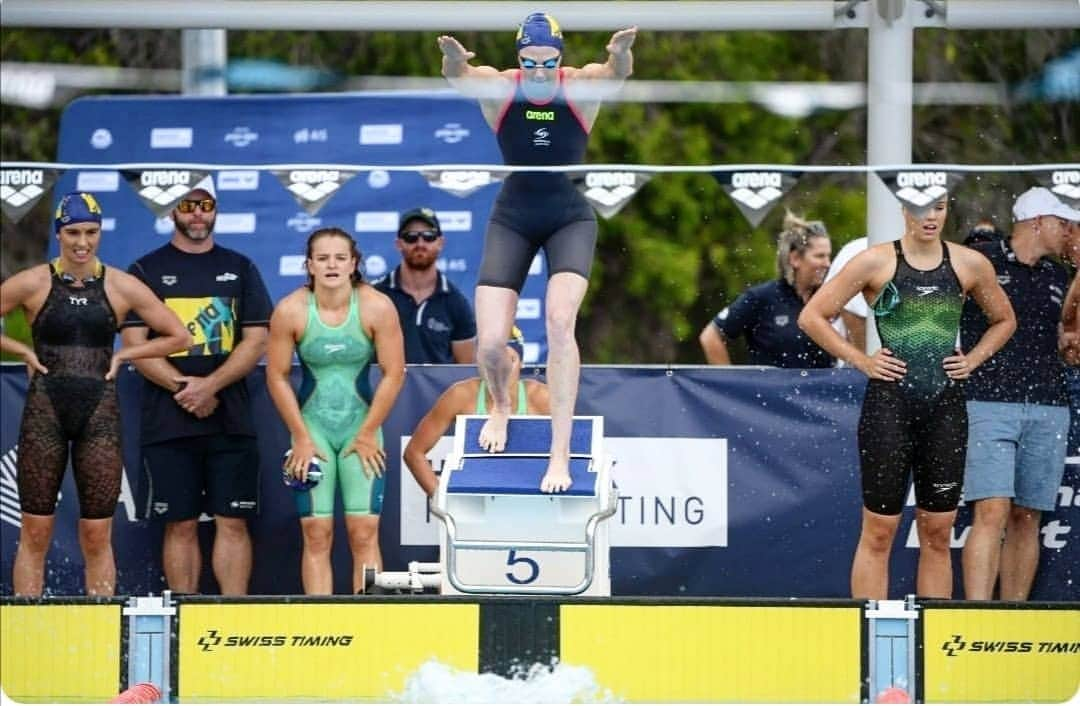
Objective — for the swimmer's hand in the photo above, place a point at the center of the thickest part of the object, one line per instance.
(372, 457)
(454, 52)
(303, 453)
(33, 365)
(957, 367)
(621, 41)
(118, 359)
(882, 366)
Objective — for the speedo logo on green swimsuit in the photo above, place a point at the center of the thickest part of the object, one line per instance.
(539, 114)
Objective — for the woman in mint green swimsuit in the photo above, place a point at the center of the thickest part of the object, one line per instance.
(336, 325)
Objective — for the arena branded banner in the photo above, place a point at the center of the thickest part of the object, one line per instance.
(312, 188)
(462, 183)
(917, 189)
(21, 188)
(608, 192)
(270, 224)
(755, 193)
(778, 517)
(1065, 183)
(161, 189)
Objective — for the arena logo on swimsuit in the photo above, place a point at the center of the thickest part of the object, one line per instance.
(539, 114)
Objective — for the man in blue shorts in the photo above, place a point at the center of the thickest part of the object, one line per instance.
(198, 436)
(1018, 407)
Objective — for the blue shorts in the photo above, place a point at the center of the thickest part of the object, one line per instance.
(1016, 450)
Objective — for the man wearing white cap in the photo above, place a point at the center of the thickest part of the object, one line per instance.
(198, 435)
(1018, 408)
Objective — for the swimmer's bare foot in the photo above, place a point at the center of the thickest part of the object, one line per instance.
(557, 478)
(493, 433)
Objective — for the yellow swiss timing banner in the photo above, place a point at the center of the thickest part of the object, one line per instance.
(716, 653)
(56, 653)
(313, 651)
(1003, 655)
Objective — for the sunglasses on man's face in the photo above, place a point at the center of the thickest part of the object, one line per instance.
(533, 64)
(189, 205)
(411, 236)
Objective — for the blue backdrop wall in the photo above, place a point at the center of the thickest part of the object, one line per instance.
(732, 482)
(257, 215)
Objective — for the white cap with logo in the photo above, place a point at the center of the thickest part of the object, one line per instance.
(1040, 201)
(207, 185)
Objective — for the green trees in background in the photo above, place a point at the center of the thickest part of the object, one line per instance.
(680, 251)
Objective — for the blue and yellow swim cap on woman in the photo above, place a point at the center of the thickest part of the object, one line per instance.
(539, 30)
(77, 207)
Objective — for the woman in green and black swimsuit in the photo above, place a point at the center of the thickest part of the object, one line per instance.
(914, 420)
(336, 325)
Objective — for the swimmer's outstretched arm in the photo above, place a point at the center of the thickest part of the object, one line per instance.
(465, 77)
(620, 62)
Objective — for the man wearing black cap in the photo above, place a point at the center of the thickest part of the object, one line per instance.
(436, 318)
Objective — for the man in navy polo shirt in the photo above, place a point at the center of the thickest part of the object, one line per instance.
(1018, 408)
(436, 318)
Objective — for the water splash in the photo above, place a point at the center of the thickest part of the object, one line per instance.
(435, 682)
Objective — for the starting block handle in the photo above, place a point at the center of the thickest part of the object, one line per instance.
(586, 547)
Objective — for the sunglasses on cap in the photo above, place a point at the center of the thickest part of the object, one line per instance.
(533, 64)
(411, 236)
(189, 205)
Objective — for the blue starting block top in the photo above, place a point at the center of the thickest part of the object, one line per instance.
(530, 436)
(506, 474)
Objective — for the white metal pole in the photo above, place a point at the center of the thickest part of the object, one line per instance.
(204, 56)
(441, 16)
(890, 48)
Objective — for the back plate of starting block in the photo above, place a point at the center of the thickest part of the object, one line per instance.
(528, 434)
(506, 474)
(501, 534)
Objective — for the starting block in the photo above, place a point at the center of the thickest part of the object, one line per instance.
(501, 534)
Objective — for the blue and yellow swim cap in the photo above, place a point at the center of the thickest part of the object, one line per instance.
(539, 30)
(77, 207)
(517, 342)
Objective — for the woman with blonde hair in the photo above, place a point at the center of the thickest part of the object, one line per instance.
(766, 314)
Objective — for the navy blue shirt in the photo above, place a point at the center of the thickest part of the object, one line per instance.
(216, 294)
(1028, 368)
(768, 316)
(430, 326)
